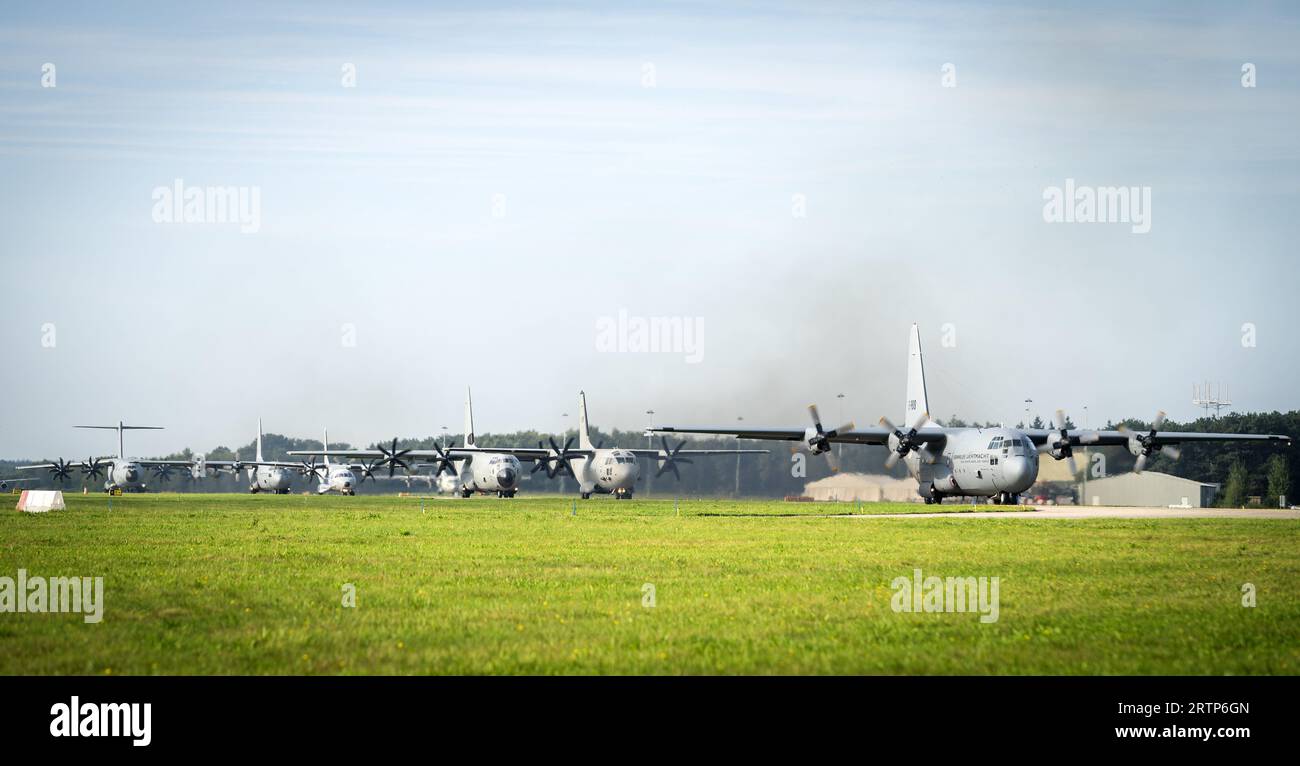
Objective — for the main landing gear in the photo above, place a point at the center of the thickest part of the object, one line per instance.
(506, 493)
(1005, 498)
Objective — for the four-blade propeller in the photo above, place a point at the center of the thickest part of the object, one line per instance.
(1058, 442)
(1143, 445)
(905, 442)
(818, 440)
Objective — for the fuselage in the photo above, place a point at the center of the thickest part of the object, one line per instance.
(607, 470)
(124, 474)
(269, 478)
(980, 462)
(490, 472)
(338, 478)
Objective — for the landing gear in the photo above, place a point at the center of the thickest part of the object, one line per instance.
(1005, 498)
(586, 495)
(505, 493)
(465, 493)
(623, 494)
(253, 490)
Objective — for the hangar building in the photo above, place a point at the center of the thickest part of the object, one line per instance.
(868, 488)
(1149, 489)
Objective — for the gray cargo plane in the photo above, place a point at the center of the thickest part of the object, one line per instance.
(263, 475)
(999, 463)
(121, 472)
(596, 468)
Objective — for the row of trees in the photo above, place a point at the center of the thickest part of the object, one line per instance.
(1244, 470)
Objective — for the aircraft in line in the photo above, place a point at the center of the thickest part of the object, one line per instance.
(120, 472)
(999, 463)
(596, 468)
(274, 476)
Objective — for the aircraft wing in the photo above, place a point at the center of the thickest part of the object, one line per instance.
(72, 464)
(661, 454)
(1085, 438)
(171, 463)
(876, 435)
(227, 465)
(454, 453)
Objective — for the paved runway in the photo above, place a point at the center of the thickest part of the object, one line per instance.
(1094, 512)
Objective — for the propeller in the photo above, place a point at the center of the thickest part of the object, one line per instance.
(368, 471)
(444, 462)
(309, 468)
(1143, 445)
(163, 473)
(818, 440)
(1058, 444)
(905, 442)
(561, 458)
(668, 459)
(393, 457)
(60, 470)
(93, 468)
(541, 463)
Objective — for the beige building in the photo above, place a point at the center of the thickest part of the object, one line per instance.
(867, 488)
(1148, 489)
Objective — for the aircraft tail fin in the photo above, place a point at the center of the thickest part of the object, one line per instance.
(584, 431)
(259, 440)
(917, 400)
(325, 445)
(120, 427)
(469, 419)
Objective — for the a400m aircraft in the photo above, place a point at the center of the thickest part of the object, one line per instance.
(999, 463)
(121, 472)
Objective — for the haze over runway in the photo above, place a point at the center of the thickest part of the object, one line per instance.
(793, 179)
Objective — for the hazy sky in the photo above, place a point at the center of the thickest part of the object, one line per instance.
(502, 177)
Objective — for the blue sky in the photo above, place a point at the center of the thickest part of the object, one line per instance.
(923, 203)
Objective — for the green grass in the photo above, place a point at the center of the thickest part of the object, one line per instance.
(235, 584)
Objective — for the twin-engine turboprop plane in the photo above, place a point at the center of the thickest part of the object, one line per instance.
(999, 463)
(119, 473)
(596, 468)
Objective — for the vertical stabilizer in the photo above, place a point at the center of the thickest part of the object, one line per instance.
(584, 432)
(469, 419)
(917, 401)
(325, 446)
(259, 440)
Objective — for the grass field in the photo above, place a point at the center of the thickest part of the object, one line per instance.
(238, 584)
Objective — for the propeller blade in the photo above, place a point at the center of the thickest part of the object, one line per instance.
(892, 460)
(849, 426)
(1074, 467)
(833, 461)
(1171, 451)
(816, 418)
(1090, 437)
(921, 421)
(1060, 420)
(1159, 421)
(1141, 463)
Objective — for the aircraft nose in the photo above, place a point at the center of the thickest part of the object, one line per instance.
(1017, 474)
(506, 477)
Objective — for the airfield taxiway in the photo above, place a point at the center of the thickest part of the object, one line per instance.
(1092, 512)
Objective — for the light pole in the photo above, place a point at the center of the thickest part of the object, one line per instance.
(649, 443)
(739, 419)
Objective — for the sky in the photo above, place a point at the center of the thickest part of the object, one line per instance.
(455, 195)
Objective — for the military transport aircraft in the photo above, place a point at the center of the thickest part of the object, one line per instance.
(263, 475)
(999, 463)
(608, 470)
(121, 472)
